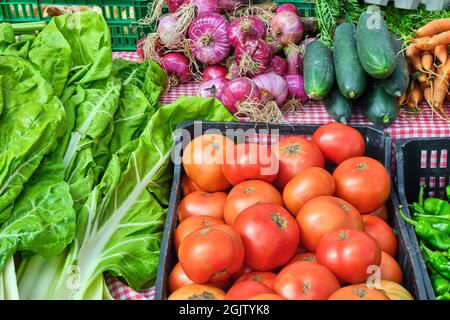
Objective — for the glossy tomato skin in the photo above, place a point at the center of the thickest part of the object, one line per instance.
(339, 142)
(198, 292)
(179, 279)
(267, 296)
(390, 269)
(349, 254)
(203, 158)
(243, 270)
(188, 186)
(295, 154)
(382, 232)
(250, 161)
(270, 236)
(310, 183)
(190, 224)
(305, 280)
(364, 182)
(201, 203)
(358, 292)
(246, 289)
(211, 254)
(324, 214)
(266, 278)
(246, 194)
(381, 212)
(304, 256)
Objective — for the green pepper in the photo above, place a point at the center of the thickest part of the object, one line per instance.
(441, 223)
(447, 191)
(416, 208)
(421, 192)
(425, 231)
(437, 260)
(445, 296)
(438, 207)
(440, 285)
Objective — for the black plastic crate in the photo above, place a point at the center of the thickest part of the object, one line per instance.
(378, 146)
(421, 161)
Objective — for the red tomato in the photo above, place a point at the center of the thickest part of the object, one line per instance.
(211, 254)
(339, 142)
(364, 182)
(266, 278)
(382, 232)
(349, 254)
(310, 183)
(246, 194)
(270, 236)
(295, 154)
(324, 214)
(198, 292)
(191, 224)
(203, 158)
(358, 292)
(179, 279)
(201, 203)
(305, 280)
(381, 212)
(246, 289)
(250, 161)
(267, 296)
(188, 186)
(243, 270)
(304, 256)
(390, 269)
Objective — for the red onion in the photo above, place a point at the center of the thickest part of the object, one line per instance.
(250, 26)
(286, 28)
(272, 87)
(253, 57)
(208, 38)
(238, 91)
(214, 72)
(207, 6)
(294, 59)
(233, 70)
(212, 88)
(166, 28)
(287, 7)
(177, 67)
(279, 66)
(296, 87)
(229, 5)
(173, 5)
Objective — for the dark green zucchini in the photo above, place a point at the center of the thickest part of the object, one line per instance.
(397, 83)
(318, 70)
(337, 106)
(378, 106)
(350, 75)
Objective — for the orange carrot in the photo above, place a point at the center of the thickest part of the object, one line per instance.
(412, 53)
(415, 97)
(427, 95)
(434, 27)
(440, 86)
(429, 43)
(440, 53)
(402, 99)
(427, 61)
(447, 97)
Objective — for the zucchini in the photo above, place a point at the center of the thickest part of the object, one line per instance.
(378, 106)
(337, 106)
(374, 45)
(318, 70)
(350, 75)
(397, 83)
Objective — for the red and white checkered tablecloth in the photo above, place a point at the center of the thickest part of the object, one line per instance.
(423, 126)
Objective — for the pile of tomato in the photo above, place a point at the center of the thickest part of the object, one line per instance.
(249, 229)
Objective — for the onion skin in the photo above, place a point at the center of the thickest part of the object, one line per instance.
(207, 6)
(165, 30)
(279, 66)
(214, 72)
(287, 7)
(239, 90)
(258, 51)
(212, 88)
(208, 38)
(229, 5)
(250, 26)
(296, 87)
(286, 28)
(294, 56)
(272, 87)
(177, 65)
(173, 5)
(233, 70)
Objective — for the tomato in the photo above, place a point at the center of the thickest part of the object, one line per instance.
(191, 224)
(310, 183)
(250, 161)
(305, 280)
(203, 158)
(364, 182)
(179, 279)
(382, 232)
(188, 186)
(358, 292)
(246, 194)
(270, 236)
(211, 254)
(201, 203)
(381, 212)
(266, 278)
(304, 256)
(198, 292)
(243, 270)
(349, 254)
(339, 142)
(394, 291)
(390, 269)
(324, 214)
(295, 154)
(246, 289)
(267, 296)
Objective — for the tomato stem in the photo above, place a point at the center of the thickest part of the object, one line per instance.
(281, 222)
(342, 235)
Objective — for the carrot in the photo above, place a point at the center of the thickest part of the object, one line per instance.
(412, 53)
(427, 95)
(434, 27)
(427, 61)
(415, 97)
(402, 99)
(440, 53)
(447, 97)
(429, 43)
(440, 86)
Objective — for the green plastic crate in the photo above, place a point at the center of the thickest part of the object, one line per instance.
(119, 14)
(306, 8)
